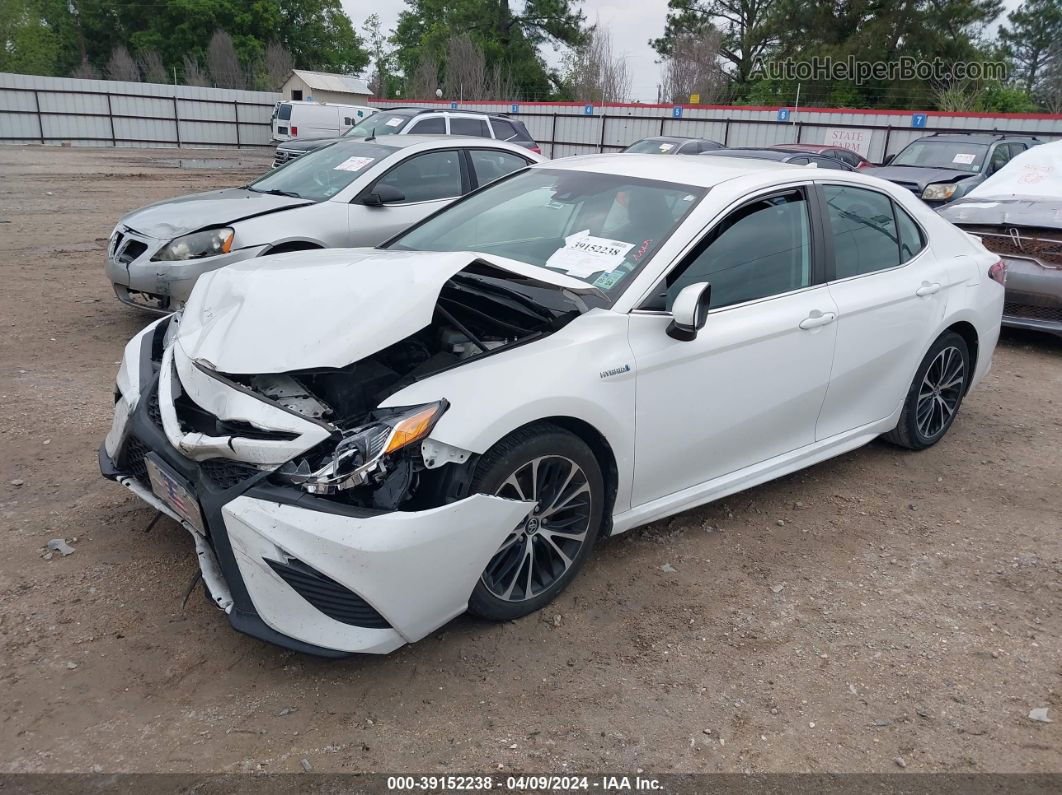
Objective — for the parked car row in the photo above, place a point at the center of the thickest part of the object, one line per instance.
(366, 442)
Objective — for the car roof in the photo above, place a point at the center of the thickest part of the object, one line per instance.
(397, 142)
(817, 148)
(752, 152)
(412, 110)
(980, 138)
(704, 170)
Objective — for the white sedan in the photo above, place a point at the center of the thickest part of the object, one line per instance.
(366, 443)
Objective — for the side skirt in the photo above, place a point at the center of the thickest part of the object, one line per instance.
(749, 476)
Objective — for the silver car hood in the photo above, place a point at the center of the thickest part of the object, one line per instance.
(171, 218)
(325, 308)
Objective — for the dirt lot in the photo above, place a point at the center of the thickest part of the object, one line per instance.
(881, 610)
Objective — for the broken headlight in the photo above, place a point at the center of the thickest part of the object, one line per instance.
(364, 451)
(207, 243)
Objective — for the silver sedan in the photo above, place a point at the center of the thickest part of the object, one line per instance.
(350, 193)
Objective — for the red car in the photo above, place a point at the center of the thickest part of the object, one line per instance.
(854, 159)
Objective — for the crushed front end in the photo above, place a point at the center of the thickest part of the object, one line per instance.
(322, 522)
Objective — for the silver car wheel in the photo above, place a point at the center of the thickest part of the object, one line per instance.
(940, 392)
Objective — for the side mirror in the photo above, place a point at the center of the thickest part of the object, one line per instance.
(887, 160)
(689, 313)
(382, 194)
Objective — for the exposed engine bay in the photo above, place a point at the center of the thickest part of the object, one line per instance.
(372, 456)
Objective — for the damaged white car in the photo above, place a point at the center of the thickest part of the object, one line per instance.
(366, 443)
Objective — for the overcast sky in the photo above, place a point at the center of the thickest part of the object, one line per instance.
(631, 22)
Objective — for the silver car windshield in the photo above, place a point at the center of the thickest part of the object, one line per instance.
(378, 124)
(958, 155)
(323, 173)
(599, 228)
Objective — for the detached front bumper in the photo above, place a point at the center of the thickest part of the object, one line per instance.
(303, 572)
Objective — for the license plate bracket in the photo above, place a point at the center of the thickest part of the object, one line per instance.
(175, 492)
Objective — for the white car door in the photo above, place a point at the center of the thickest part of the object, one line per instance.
(891, 293)
(751, 384)
(426, 182)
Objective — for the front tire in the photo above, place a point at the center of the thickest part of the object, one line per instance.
(935, 395)
(555, 469)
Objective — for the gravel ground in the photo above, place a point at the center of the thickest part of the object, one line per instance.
(883, 610)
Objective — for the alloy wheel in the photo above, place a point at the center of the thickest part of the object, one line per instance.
(940, 392)
(545, 544)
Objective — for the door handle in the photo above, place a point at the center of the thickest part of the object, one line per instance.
(927, 289)
(817, 319)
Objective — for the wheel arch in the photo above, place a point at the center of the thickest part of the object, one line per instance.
(968, 332)
(285, 246)
(602, 450)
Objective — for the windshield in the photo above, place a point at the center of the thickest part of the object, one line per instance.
(378, 124)
(652, 146)
(599, 228)
(323, 173)
(957, 155)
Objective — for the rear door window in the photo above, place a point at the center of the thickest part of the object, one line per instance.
(863, 226)
(491, 164)
(463, 125)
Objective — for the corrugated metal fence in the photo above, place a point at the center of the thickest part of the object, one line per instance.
(565, 129)
(51, 110)
(104, 113)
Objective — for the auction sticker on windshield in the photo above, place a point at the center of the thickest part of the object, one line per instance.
(963, 159)
(584, 254)
(395, 121)
(353, 164)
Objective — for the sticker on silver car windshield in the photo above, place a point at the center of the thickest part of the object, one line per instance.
(353, 164)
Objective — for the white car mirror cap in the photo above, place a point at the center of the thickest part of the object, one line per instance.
(689, 313)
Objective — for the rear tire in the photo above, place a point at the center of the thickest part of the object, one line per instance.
(537, 560)
(935, 395)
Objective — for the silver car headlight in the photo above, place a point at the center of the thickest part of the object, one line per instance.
(364, 450)
(207, 243)
(941, 191)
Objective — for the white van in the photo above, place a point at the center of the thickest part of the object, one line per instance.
(305, 119)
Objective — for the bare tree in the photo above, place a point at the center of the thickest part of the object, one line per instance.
(956, 97)
(193, 72)
(500, 84)
(466, 69)
(278, 64)
(223, 62)
(694, 67)
(152, 67)
(86, 71)
(1050, 89)
(381, 55)
(594, 74)
(121, 66)
(425, 78)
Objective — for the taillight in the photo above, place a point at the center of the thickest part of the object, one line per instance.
(536, 149)
(294, 130)
(998, 272)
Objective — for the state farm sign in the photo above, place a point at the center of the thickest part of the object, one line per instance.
(850, 138)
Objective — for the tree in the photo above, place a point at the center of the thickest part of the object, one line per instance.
(151, 67)
(381, 57)
(693, 67)
(224, 63)
(34, 37)
(507, 37)
(277, 65)
(425, 78)
(121, 66)
(594, 74)
(466, 69)
(1050, 91)
(1032, 31)
(748, 29)
(193, 73)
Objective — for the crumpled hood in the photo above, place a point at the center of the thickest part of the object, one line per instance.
(984, 211)
(325, 308)
(915, 175)
(171, 218)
